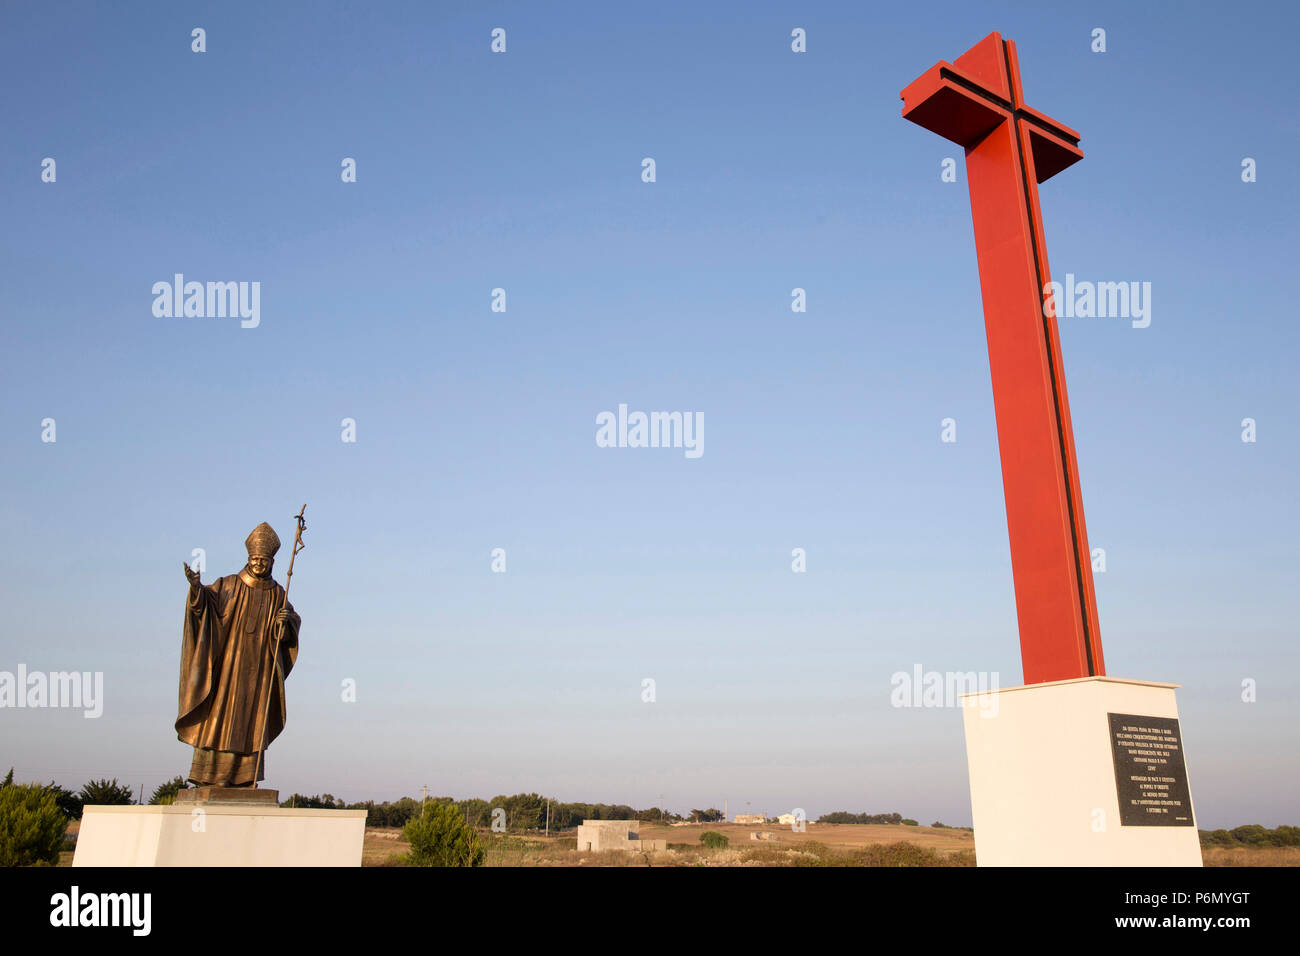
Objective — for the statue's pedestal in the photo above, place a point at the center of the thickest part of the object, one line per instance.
(220, 832)
(1086, 772)
(228, 797)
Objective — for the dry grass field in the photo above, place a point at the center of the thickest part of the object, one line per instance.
(821, 845)
(839, 835)
(824, 844)
(1251, 856)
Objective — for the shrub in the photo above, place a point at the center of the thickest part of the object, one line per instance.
(905, 854)
(440, 837)
(31, 825)
(910, 823)
(901, 854)
(714, 840)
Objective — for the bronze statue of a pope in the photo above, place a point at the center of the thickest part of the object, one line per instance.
(231, 691)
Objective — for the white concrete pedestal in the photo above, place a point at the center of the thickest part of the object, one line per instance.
(215, 835)
(1043, 776)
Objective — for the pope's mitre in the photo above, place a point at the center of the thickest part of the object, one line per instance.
(262, 541)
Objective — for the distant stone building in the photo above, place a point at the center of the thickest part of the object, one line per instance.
(750, 818)
(597, 835)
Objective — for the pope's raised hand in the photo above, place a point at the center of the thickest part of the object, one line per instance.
(192, 575)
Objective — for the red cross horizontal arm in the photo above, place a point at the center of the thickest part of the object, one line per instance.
(977, 103)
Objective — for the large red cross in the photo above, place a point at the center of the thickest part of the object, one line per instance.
(1010, 148)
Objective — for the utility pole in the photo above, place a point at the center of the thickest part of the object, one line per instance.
(424, 797)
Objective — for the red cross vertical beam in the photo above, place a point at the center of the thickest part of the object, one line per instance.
(977, 103)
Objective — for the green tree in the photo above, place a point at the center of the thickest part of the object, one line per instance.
(1287, 836)
(714, 840)
(31, 825)
(1252, 834)
(524, 811)
(1216, 838)
(106, 792)
(69, 802)
(440, 837)
(843, 816)
(387, 814)
(319, 801)
(166, 792)
(479, 814)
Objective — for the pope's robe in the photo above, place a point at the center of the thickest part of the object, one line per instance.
(227, 675)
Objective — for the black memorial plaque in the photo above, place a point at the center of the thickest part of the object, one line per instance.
(1150, 774)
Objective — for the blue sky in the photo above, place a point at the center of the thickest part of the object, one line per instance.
(475, 429)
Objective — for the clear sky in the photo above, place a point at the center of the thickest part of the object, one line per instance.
(476, 429)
